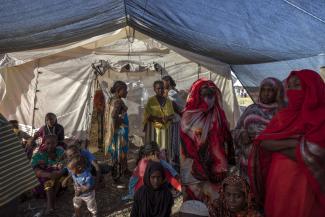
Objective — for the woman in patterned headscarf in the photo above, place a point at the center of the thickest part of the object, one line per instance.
(205, 134)
(286, 165)
(255, 118)
(235, 199)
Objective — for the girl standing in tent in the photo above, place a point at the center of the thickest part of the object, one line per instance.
(51, 127)
(158, 116)
(178, 104)
(117, 129)
(204, 134)
(255, 118)
(286, 166)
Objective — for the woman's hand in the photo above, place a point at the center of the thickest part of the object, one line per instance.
(278, 145)
(55, 175)
(245, 138)
(155, 119)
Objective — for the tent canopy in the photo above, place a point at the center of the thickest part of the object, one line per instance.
(235, 31)
(254, 38)
(61, 79)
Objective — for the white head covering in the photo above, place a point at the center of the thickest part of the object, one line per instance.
(194, 207)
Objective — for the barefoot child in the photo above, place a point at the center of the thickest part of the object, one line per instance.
(84, 185)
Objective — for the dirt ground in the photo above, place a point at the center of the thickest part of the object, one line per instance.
(108, 198)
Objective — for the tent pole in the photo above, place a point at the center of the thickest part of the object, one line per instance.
(35, 96)
(198, 71)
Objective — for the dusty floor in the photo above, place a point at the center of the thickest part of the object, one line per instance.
(108, 198)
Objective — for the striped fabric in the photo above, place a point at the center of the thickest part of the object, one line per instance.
(16, 174)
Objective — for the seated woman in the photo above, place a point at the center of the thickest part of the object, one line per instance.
(255, 118)
(47, 164)
(150, 152)
(158, 116)
(153, 199)
(286, 166)
(235, 199)
(51, 127)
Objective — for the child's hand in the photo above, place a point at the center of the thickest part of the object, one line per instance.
(77, 191)
(84, 189)
(55, 175)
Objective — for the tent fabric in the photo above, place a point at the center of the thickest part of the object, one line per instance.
(63, 78)
(16, 172)
(58, 84)
(251, 75)
(235, 31)
(31, 24)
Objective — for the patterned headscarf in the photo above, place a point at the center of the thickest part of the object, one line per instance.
(222, 209)
(276, 84)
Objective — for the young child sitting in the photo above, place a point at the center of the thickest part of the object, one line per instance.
(154, 197)
(150, 152)
(84, 185)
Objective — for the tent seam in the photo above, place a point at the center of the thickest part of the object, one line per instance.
(126, 14)
(304, 11)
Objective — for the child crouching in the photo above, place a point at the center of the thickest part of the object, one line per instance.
(84, 186)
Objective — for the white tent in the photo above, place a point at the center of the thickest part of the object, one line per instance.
(61, 79)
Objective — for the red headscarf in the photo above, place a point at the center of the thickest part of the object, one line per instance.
(204, 130)
(304, 117)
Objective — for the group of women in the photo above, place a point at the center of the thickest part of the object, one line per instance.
(278, 142)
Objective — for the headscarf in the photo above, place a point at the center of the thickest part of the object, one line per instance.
(204, 131)
(222, 207)
(254, 120)
(257, 116)
(304, 117)
(277, 85)
(150, 202)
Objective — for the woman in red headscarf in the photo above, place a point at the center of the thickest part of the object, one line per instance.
(287, 171)
(204, 134)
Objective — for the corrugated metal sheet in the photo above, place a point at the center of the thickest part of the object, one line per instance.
(16, 174)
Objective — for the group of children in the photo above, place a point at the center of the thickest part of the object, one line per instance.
(54, 164)
(151, 184)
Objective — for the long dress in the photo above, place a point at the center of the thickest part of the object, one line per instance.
(254, 120)
(117, 132)
(179, 103)
(204, 134)
(287, 187)
(156, 131)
